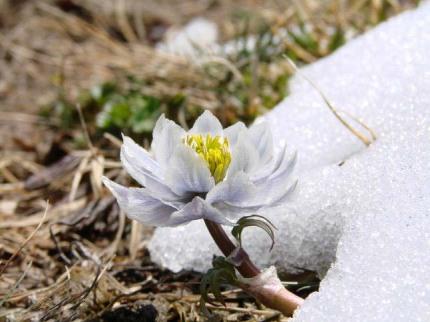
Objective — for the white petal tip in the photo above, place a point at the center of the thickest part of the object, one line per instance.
(110, 184)
(207, 123)
(106, 181)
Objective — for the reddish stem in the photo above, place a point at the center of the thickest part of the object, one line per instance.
(247, 267)
(281, 300)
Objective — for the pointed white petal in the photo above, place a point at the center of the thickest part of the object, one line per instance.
(261, 135)
(161, 191)
(232, 133)
(238, 193)
(236, 189)
(129, 164)
(159, 126)
(198, 209)
(258, 203)
(139, 205)
(155, 185)
(138, 163)
(167, 135)
(207, 123)
(278, 184)
(286, 168)
(267, 170)
(234, 196)
(141, 157)
(244, 156)
(233, 212)
(188, 172)
(287, 195)
(284, 193)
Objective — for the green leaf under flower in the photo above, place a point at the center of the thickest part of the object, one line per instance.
(253, 221)
(222, 272)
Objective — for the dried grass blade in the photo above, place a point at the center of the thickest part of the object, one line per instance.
(10, 259)
(359, 135)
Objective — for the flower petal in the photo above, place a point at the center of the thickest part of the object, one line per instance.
(235, 189)
(233, 131)
(268, 169)
(188, 172)
(239, 191)
(198, 209)
(167, 135)
(244, 156)
(163, 192)
(129, 164)
(141, 157)
(277, 185)
(232, 210)
(154, 184)
(234, 196)
(207, 123)
(287, 195)
(261, 135)
(285, 169)
(139, 205)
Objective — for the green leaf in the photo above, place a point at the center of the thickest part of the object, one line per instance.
(253, 221)
(145, 112)
(223, 272)
(66, 113)
(337, 40)
(115, 113)
(215, 285)
(204, 287)
(102, 93)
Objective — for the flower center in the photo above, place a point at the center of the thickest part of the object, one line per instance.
(214, 150)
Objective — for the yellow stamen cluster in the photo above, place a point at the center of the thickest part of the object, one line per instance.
(214, 150)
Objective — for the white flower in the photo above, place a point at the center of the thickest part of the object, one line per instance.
(205, 173)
